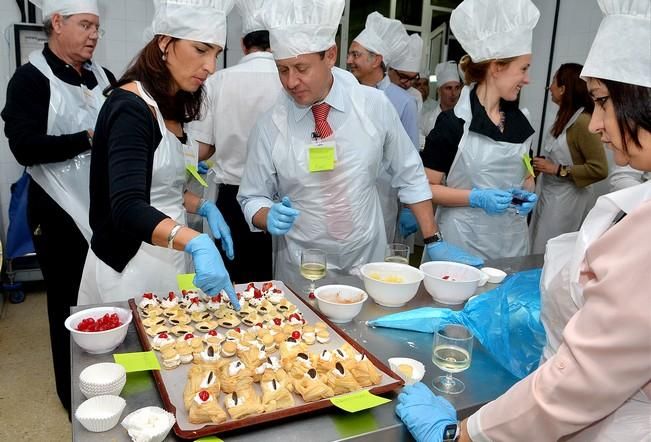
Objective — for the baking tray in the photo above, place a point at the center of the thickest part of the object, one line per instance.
(170, 383)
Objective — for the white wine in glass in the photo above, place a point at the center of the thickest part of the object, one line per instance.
(452, 353)
(313, 266)
(397, 252)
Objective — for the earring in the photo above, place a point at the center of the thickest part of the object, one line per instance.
(164, 57)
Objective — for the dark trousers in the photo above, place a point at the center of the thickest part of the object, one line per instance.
(253, 255)
(61, 250)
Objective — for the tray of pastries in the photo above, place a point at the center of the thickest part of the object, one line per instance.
(277, 357)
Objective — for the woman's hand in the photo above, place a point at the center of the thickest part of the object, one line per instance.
(425, 414)
(543, 165)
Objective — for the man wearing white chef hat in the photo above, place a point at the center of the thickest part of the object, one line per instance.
(404, 71)
(236, 97)
(594, 380)
(448, 85)
(50, 112)
(314, 158)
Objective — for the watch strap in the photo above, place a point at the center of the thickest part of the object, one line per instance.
(437, 237)
(451, 432)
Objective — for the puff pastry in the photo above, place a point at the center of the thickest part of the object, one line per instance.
(364, 372)
(204, 409)
(275, 396)
(341, 380)
(235, 376)
(311, 388)
(243, 403)
(198, 380)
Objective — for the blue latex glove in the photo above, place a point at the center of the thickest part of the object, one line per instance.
(210, 274)
(444, 251)
(529, 201)
(407, 222)
(218, 226)
(425, 414)
(281, 217)
(493, 201)
(202, 167)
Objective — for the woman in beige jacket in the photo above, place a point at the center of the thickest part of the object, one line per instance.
(594, 383)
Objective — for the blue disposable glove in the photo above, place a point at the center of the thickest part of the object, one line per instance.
(444, 251)
(202, 167)
(528, 199)
(210, 274)
(425, 414)
(218, 226)
(493, 201)
(407, 222)
(281, 217)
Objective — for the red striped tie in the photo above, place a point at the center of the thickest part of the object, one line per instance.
(321, 126)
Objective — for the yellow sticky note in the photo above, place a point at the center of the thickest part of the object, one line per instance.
(526, 159)
(139, 361)
(195, 173)
(360, 400)
(321, 158)
(209, 439)
(185, 282)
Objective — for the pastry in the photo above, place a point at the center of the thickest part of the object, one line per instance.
(153, 321)
(170, 357)
(341, 380)
(151, 312)
(295, 320)
(213, 337)
(196, 305)
(284, 305)
(204, 409)
(253, 356)
(201, 316)
(325, 362)
(320, 326)
(179, 319)
(182, 330)
(148, 300)
(153, 331)
(210, 358)
(275, 396)
(161, 339)
(214, 303)
(300, 365)
(322, 336)
(275, 296)
(168, 313)
(289, 349)
(367, 374)
(268, 342)
(230, 321)
(243, 403)
(246, 310)
(309, 335)
(235, 376)
(229, 348)
(270, 367)
(171, 302)
(311, 388)
(251, 319)
(200, 379)
(206, 326)
(185, 351)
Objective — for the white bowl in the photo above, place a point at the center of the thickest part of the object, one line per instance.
(100, 413)
(495, 276)
(329, 299)
(106, 378)
(418, 369)
(100, 341)
(391, 294)
(451, 282)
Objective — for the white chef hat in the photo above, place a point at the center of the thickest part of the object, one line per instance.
(489, 30)
(299, 27)
(251, 13)
(66, 7)
(197, 20)
(621, 50)
(410, 59)
(384, 36)
(446, 72)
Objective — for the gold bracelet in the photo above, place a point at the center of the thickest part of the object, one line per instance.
(172, 235)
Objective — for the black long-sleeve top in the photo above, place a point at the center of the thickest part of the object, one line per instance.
(121, 217)
(26, 111)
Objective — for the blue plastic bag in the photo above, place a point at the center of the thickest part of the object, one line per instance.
(506, 320)
(19, 238)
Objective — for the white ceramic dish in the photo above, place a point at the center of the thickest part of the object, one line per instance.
(327, 298)
(391, 294)
(105, 378)
(451, 282)
(100, 413)
(495, 276)
(101, 341)
(418, 369)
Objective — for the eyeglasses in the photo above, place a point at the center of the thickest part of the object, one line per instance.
(404, 78)
(91, 28)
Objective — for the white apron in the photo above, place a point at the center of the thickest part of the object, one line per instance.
(562, 205)
(562, 296)
(484, 163)
(339, 210)
(153, 268)
(71, 109)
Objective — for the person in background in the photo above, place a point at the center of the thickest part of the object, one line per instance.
(422, 85)
(573, 159)
(237, 96)
(448, 86)
(622, 177)
(404, 71)
(594, 383)
(382, 40)
(327, 114)
(474, 155)
(50, 112)
(137, 199)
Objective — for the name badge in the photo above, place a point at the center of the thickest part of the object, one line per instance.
(321, 157)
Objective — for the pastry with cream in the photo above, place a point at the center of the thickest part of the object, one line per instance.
(341, 380)
(171, 358)
(275, 396)
(243, 403)
(200, 379)
(312, 388)
(235, 376)
(148, 300)
(162, 339)
(325, 362)
(204, 409)
(364, 372)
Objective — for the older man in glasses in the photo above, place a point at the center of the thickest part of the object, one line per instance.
(404, 70)
(50, 112)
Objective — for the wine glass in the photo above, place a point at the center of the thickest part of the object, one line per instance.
(452, 353)
(397, 252)
(313, 266)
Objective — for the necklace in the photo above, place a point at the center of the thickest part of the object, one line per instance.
(500, 125)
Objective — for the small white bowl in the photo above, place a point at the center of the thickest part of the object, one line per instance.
(418, 369)
(101, 341)
(451, 282)
(106, 378)
(151, 422)
(100, 413)
(495, 276)
(327, 295)
(391, 294)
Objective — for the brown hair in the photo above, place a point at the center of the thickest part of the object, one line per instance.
(575, 96)
(151, 70)
(632, 105)
(476, 72)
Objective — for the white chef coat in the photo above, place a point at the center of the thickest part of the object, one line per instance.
(428, 115)
(622, 177)
(277, 154)
(418, 97)
(236, 96)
